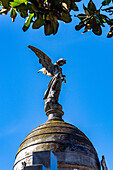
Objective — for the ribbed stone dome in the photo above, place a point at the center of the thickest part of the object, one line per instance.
(71, 146)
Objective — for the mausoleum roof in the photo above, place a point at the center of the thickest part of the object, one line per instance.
(70, 145)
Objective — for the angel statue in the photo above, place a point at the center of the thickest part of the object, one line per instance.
(55, 71)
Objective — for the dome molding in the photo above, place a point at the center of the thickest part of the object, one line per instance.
(64, 140)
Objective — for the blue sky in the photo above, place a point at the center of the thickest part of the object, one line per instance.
(86, 98)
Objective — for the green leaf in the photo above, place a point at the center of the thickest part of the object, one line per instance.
(84, 7)
(65, 17)
(23, 10)
(55, 27)
(91, 6)
(106, 2)
(97, 12)
(24, 7)
(28, 22)
(81, 16)
(34, 7)
(38, 23)
(81, 25)
(109, 21)
(1, 3)
(23, 13)
(5, 3)
(13, 15)
(17, 3)
(25, 28)
(93, 23)
(86, 10)
(74, 6)
(97, 31)
(96, 28)
(48, 28)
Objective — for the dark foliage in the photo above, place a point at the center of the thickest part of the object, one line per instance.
(94, 20)
(48, 13)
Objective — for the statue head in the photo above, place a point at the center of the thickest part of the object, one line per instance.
(61, 62)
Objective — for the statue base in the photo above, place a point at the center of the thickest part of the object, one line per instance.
(54, 114)
(53, 110)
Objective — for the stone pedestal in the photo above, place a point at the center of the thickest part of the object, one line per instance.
(54, 114)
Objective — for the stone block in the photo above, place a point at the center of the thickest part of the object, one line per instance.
(46, 158)
(35, 167)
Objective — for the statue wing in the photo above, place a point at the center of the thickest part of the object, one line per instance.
(43, 59)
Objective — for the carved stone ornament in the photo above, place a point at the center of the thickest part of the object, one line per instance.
(23, 165)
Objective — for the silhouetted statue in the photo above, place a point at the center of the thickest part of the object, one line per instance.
(103, 163)
(55, 71)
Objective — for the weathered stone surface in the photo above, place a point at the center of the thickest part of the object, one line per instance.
(47, 158)
(71, 146)
(35, 167)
